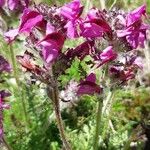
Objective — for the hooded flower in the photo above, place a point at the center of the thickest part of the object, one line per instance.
(135, 15)
(4, 65)
(106, 56)
(126, 68)
(121, 74)
(72, 12)
(29, 20)
(89, 86)
(134, 29)
(95, 25)
(51, 46)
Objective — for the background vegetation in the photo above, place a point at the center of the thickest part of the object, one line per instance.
(30, 123)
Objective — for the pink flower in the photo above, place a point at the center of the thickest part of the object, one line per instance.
(2, 2)
(95, 25)
(29, 20)
(72, 12)
(51, 46)
(135, 15)
(72, 29)
(89, 86)
(106, 55)
(134, 29)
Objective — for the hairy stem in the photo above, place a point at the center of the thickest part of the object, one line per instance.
(98, 124)
(15, 73)
(60, 125)
(6, 144)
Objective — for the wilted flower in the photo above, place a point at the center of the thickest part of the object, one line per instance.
(86, 48)
(4, 65)
(28, 64)
(3, 105)
(126, 68)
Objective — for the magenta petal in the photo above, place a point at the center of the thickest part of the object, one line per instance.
(136, 15)
(92, 14)
(49, 29)
(71, 29)
(91, 77)
(55, 40)
(72, 10)
(89, 86)
(81, 51)
(107, 55)
(90, 30)
(2, 2)
(29, 20)
(49, 55)
(123, 33)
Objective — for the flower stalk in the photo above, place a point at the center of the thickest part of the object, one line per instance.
(13, 60)
(6, 144)
(98, 124)
(55, 99)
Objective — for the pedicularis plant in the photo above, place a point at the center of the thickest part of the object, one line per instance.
(111, 39)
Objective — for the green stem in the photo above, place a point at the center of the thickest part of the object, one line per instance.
(106, 111)
(113, 4)
(15, 73)
(98, 124)
(6, 144)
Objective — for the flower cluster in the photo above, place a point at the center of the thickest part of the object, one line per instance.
(4, 67)
(111, 39)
